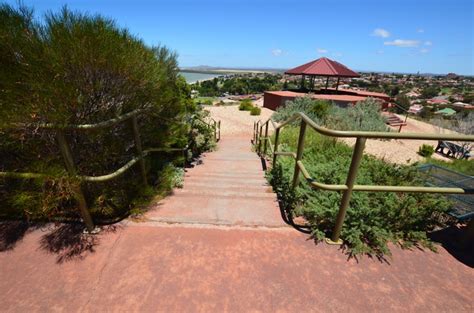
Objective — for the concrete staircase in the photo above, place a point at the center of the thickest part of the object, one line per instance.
(226, 187)
(393, 120)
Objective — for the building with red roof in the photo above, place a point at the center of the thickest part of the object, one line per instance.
(327, 68)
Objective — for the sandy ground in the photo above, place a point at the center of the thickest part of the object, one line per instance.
(235, 122)
(403, 151)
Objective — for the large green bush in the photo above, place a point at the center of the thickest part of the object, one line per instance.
(373, 219)
(73, 68)
(365, 115)
(317, 110)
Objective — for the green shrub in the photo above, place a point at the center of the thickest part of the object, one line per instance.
(373, 219)
(317, 110)
(365, 115)
(245, 105)
(426, 150)
(75, 69)
(255, 111)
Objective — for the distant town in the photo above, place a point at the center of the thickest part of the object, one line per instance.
(423, 95)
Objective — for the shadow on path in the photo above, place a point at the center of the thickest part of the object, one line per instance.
(11, 232)
(453, 240)
(69, 242)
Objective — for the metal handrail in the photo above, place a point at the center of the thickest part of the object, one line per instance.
(69, 160)
(349, 186)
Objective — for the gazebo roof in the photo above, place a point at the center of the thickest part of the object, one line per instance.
(323, 67)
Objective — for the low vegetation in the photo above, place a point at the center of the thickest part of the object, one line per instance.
(255, 111)
(426, 150)
(363, 116)
(373, 219)
(246, 105)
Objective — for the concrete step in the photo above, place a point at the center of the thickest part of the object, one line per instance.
(225, 211)
(234, 193)
(199, 185)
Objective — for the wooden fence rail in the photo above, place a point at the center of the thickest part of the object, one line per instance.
(69, 163)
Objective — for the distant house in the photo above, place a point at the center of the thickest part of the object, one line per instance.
(415, 109)
(446, 112)
(437, 100)
(460, 104)
(413, 94)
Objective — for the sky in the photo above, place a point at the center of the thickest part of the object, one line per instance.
(407, 36)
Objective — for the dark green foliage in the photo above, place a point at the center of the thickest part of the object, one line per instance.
(426, 150)
(245, 105)
(255, 111)
(373, 219)
(430, 92)
(239, 84)
(403, 104)
(72, 68)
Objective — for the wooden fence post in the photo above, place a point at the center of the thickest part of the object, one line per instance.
(138, 147)
(71, 168)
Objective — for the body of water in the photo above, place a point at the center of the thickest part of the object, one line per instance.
(194, 77)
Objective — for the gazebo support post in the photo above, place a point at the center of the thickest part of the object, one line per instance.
(327, 82)
(337, 84)
(303, 77)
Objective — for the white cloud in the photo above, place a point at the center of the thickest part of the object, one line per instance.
(402, 43)
(428, 43)
(420, 30)
(424, 50)
(337, 54)
(277, 52)
(380, 32)
(322, 51)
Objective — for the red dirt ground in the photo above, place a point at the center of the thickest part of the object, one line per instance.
(201, 250)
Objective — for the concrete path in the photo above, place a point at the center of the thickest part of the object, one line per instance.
(227, 188)
(218, 245)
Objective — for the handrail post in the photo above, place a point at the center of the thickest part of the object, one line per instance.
(71, 168)
(260, 140)
(219, 125)
(275, 150)
(138, 147)
(266, 139)
(215, 130)
(255, 133)
(299, 153)
(346, 197)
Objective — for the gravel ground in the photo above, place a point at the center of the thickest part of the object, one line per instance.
(239, 123)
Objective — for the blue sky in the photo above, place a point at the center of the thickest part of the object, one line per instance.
(433, 36)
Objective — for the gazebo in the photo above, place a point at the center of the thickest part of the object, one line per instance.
(322, 67)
